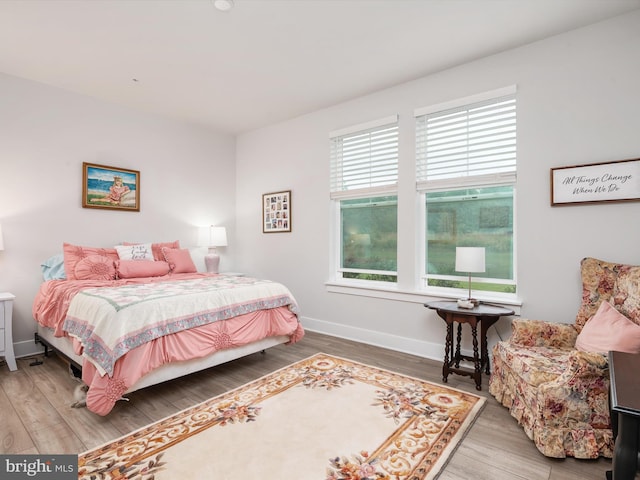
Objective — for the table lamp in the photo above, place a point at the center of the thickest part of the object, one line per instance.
(469, 260)
(214, 237)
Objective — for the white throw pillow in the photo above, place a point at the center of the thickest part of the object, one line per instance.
(140, 251)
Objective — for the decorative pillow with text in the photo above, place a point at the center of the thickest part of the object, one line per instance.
(139, 251)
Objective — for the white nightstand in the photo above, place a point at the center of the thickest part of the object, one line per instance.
(6, 336)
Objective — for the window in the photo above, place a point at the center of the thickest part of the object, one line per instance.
(364, 175)
(466, 172)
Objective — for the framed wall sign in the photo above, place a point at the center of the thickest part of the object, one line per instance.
(110, 188)
(276, 212)
(596, 182)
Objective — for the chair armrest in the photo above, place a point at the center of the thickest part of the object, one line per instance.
(539, 333)
(581, 392)
(580, 395)
(582, 364)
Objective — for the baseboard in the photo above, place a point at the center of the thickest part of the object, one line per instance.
(27, 348)
(420, 348)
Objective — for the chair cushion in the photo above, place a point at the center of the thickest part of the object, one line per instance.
(535, 365)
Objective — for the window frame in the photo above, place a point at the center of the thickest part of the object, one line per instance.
(337, 195)
(423, 187)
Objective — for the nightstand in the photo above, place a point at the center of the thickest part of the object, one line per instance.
(6, 336)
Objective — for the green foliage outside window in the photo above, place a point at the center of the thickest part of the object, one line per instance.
(473, 217)
(369, 238)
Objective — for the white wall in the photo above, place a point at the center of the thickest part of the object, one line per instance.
(578, 102)
(187, 180)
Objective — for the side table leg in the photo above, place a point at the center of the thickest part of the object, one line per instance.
(484, 348)
(448, 349)
(458, 339)
(477, 362)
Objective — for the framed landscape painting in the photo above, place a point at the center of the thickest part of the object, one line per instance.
(276, 212)
(110, 188)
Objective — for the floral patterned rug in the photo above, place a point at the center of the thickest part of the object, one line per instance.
(321, 418)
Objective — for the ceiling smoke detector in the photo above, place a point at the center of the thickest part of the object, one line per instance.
(223, 5)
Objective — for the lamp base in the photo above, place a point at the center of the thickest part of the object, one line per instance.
(468, 303)
(465, 304)
(212, 262)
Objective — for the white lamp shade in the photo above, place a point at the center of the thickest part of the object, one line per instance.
(470, 259)
(213, 237)
(218, 237)
(1, 241)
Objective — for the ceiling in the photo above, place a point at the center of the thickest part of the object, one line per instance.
(265, 60)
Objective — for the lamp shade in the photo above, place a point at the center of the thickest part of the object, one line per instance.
(470, 259)
(218, 237)
(1, 241)
(213, 237)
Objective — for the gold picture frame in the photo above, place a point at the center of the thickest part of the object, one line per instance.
(110, 188)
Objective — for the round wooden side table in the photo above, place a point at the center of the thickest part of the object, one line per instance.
(485, 316)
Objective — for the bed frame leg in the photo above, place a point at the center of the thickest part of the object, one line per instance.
(37, 339)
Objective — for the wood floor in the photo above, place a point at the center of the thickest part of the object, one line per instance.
(35, 416)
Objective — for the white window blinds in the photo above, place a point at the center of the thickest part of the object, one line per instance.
(365, 160)
(474, 143)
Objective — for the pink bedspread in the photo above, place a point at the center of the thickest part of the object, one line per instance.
(52, 302)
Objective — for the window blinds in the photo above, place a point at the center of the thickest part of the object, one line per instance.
(365, 161)
(473, 143)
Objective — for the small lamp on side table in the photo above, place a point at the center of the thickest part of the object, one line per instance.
(214, 237)
(470, 260)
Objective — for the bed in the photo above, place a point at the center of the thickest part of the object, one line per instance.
(130, 324)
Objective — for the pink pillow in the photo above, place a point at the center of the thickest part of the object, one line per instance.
(156, 248)
(179, 260)
(95, 267)
(609, 330)
(74, 253)
(138, 269)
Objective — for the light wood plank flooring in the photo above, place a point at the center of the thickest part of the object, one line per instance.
(35, 416)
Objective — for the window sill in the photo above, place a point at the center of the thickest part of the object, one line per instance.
(392, 292)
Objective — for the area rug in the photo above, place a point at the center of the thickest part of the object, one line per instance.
(321, 418)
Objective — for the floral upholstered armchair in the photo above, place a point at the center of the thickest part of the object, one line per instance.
(554, 377)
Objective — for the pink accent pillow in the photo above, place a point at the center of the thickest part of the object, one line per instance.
(609, 330)
(156, 248)
(138, 269)
(179, 260)
(95, 267)
(74, 253)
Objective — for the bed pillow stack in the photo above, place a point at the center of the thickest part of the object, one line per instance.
(168, 254)
(129, 260)
(136, 260)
